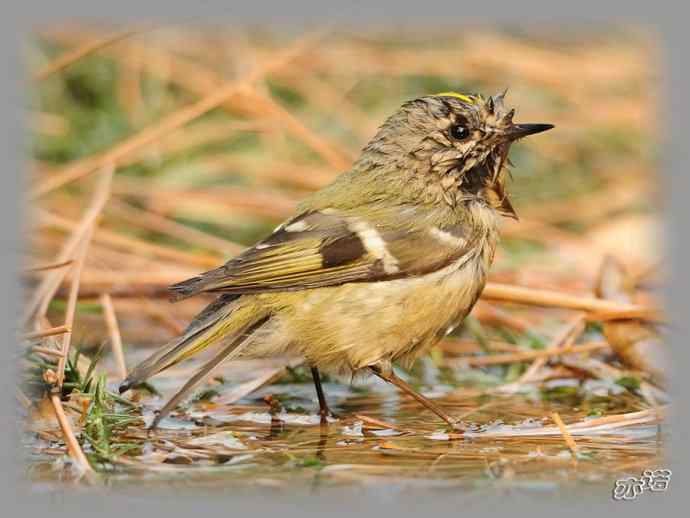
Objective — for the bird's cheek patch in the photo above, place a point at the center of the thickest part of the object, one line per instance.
(445, 156)
(464, 148)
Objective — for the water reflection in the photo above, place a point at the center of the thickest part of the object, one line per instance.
(276, 437)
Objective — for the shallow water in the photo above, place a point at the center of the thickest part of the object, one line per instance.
(379, 437)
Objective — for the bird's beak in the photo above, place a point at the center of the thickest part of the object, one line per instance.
(517, 131)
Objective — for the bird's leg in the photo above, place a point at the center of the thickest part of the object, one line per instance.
(324, 411)
(323, 440)
(388, 375)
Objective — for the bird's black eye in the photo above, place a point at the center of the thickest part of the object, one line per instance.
(459, 132)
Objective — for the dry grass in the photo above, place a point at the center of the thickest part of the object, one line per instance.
(206, 139)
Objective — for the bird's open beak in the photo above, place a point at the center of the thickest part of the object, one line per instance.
(517, 131)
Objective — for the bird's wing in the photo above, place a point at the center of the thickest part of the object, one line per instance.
(328, 248)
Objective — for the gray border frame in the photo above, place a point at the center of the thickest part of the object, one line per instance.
(671, 26)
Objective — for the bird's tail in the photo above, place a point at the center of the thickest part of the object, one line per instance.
(223, 322)
(232, 349)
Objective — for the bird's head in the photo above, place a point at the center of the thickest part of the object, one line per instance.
(454, 143)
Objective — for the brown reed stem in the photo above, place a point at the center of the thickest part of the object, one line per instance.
(38, 304)
(71, 309)
(46, 332)
(566, 434)
(46, 267)
(549, 298)
(80, 52)
(170, 123)
(71, 442)
(533, 355)
(114, 332)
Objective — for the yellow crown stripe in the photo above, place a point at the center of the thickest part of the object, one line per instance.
(462, 97)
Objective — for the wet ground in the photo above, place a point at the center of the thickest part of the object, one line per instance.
(273, 437)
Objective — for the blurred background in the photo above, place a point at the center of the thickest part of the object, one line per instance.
(157, 152)
(298, 112)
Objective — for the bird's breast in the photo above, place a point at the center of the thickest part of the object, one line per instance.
(356, 325)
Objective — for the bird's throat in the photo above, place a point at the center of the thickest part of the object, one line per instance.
(487, 180)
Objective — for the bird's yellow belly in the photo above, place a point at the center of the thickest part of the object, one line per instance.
(355, 325)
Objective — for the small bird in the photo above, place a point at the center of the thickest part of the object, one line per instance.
(375, 268)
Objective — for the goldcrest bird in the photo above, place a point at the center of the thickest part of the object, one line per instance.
(375, 268)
